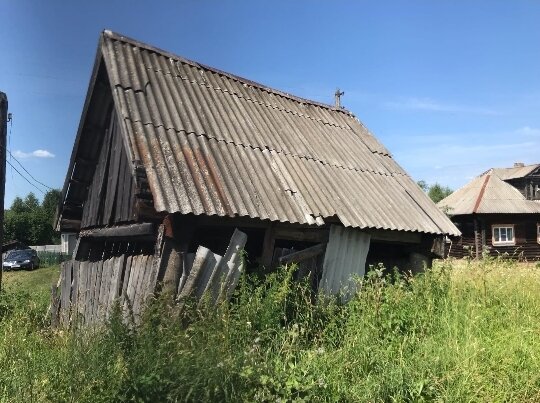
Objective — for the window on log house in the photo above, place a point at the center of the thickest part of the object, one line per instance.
(503, 234)
(538, 232)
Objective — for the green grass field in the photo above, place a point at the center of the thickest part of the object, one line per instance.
(460, 332)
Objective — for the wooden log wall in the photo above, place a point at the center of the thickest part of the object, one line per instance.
(111, 195)
(526, 242)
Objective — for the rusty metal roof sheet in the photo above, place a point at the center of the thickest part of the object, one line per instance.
(488, 194)
(217, 144)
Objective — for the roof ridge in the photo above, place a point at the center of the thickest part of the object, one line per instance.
(119, 37)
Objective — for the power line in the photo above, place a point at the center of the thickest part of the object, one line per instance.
(25, 170)
(24, 177)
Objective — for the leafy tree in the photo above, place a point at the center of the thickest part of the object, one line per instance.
(31, 222)
(436, 192)
(51, 200)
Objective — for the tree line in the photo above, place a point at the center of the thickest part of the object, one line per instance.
(32, 222)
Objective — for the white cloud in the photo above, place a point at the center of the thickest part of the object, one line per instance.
(528, 131)
(428, 104)
(36, 154)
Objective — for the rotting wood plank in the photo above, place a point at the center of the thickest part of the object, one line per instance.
(115, 154)
(302, 234)
(106, 275)
(133, 280)
(139, 290)
(124, 294)
(303, 254)
(123, 231)
(148, 289)
(55, 306)
(118, 266)
(84, 290)
(75, 291)
(98, 268)
(234, 261)
(139, 287)
(65, 292)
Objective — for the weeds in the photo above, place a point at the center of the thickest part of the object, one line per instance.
(458, 332)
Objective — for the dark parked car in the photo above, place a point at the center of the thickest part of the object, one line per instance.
(21, 259)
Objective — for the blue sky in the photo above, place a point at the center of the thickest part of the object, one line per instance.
(451, 88)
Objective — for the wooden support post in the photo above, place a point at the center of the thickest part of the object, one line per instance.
(3, 136)
(268, 246)
(476, 239)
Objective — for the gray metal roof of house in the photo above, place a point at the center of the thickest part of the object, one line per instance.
(216, 144)
(488, 194)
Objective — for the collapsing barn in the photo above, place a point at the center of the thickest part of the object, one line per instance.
(171, 155)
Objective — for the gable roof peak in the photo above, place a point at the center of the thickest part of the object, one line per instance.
(111, 35)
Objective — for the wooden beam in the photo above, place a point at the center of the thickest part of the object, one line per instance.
(302, 234)
(124, 231)
(303, 254)
(394, 236)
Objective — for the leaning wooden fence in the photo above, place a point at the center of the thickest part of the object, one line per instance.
(127, 275)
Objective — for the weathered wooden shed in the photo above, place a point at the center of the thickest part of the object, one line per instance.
(169, 143)
(498, 212)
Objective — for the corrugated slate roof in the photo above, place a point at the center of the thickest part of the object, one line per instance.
(488, 194)
(514, 172)
(217, 144)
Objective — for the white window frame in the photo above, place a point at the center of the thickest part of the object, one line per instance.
(538, 232)
(505, 227)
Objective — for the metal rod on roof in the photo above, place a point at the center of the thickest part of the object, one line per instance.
(338, 95)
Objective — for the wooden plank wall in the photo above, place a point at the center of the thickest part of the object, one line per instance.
(89, 290)
(111, 196)
(128, 275)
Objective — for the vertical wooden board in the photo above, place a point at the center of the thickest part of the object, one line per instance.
(153, 274)
(104, 289)
(62, 287)
(89, 316)
(139, 289)
(128, 273)
(125, 277)
(75, 292)
(67, 302)
(85, 267)
(232, 260)
(114, 286)
(133, 278)
(114, 157)
(148, 273)
(96, 282)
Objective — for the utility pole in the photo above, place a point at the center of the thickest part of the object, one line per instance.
(3, 143)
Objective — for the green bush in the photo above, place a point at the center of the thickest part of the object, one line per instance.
(467, 333)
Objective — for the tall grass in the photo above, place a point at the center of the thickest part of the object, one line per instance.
(467, 332)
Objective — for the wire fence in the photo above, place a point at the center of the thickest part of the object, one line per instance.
(47, 258)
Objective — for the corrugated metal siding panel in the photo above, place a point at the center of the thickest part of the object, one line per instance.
(215, 145)
(344, 260)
